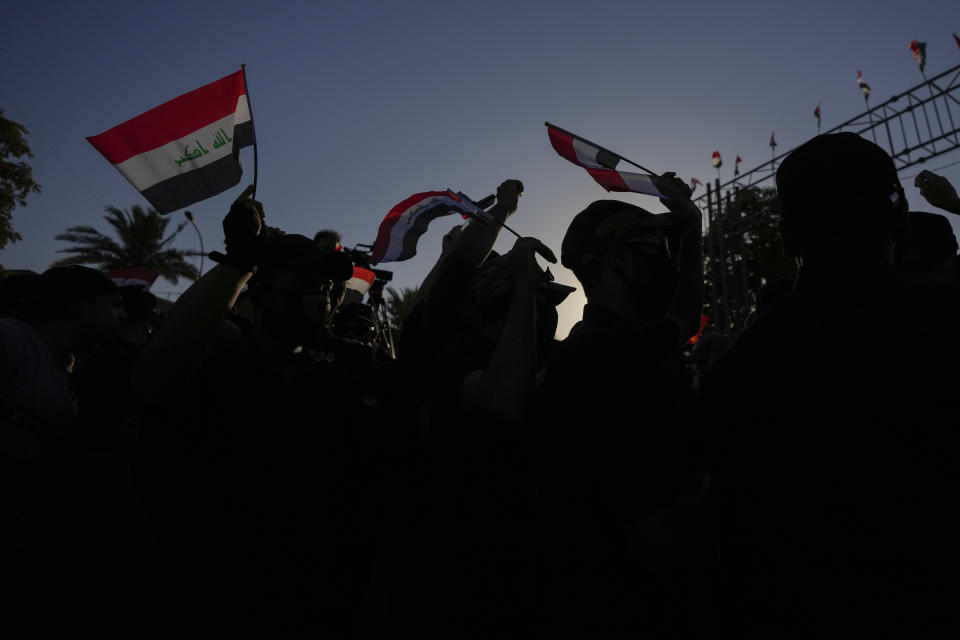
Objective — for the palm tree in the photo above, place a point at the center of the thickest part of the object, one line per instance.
(399, 304)
(141, 244)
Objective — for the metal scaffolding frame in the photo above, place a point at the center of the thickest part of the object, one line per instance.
(914, 126)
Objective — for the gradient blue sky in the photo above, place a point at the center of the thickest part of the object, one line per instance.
(357, 105)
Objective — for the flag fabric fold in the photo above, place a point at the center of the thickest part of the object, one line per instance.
(361, 281)
(600, 164)
(135, 277)
(863, 85)
(919, 50)
(408, 220)
(185, 150)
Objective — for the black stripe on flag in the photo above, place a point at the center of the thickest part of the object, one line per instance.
(185, 189)
(243, 135)
(419, 227)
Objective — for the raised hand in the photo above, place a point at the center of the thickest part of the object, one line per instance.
(938, 191)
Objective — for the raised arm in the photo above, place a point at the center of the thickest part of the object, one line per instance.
(178, 347)
(474, 242)
(687, 303)
(504, 389)
(938, 191)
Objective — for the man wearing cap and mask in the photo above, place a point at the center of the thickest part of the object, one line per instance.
(616, 421)
(831, 462)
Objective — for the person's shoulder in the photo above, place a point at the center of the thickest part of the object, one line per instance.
(16, 336)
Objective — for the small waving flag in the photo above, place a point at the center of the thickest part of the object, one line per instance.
(600, 163)
(716, 160)
(919, 50)
(956, 39)
(408, 220)
(693, 184)
(736, 166)
(185, 150)
(863, 85)
(135, 277)
(773, 140)
(361, 280)
(816, 112)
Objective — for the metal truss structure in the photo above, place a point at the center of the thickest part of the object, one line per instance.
(913, 127)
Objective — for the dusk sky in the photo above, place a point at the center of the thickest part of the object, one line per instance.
(358, 105)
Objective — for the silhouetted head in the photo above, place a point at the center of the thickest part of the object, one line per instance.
(615, 236)
(297, 287)
(328, 239)
(840, 194)
(83, 297)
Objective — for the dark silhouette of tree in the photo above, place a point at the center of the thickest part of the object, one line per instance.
(16, 178)
(141, 243)
(399, 304)
(754, 257)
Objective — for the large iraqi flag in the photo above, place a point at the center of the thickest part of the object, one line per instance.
(187, 149)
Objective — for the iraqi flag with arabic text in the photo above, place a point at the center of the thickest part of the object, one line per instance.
(600, 163)
(408, 220)
(185, 150)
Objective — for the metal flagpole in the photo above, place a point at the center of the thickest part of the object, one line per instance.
(641, 167)
(253, 127)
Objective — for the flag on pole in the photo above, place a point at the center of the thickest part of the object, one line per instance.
(136, 277)
(773, 140)
(956, 39)
(408, 220)
(600, 164)
(716, 161)
(919, 50)
(361, 280)
(185, 150)
(816, 112)
(863, 85)
(736, 166)
(693, 183)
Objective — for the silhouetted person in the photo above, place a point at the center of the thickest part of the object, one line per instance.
(831, 466)
(614, 447)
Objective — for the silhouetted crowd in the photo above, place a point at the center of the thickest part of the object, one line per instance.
(266, 456)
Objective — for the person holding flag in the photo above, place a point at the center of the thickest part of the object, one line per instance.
(601, 475)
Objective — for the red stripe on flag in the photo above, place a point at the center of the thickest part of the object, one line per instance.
(382, 243)
(364, 274)
(172, 120)
(608, 179)
(563, 144)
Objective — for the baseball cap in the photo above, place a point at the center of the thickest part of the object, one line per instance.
(595, 228)
(838, 180)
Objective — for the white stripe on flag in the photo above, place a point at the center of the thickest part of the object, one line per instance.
(404, 223)
(640, 183)
(149, 168)
(586, 154)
